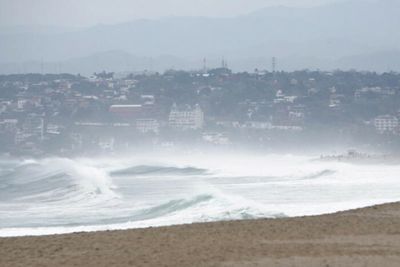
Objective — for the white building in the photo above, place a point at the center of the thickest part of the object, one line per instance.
(4, 105)
(216, 138)
(53, 129)
(21, 103)
(257, 125)
(186, 118)
(9, 124)
(379, 91)
(147, 125)
(148, 99)
(34, 126)
(386, 123)
(336, 100)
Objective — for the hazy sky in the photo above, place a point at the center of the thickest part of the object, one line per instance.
(91, 12)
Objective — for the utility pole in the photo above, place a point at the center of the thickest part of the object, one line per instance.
(273, 64)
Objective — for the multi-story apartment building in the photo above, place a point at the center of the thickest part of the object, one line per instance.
(147, 125)
(386, 123)
(186, 117)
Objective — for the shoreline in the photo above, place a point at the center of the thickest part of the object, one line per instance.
(361, 237)
(91, 229)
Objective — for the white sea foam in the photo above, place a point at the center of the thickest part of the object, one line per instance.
(56, 195)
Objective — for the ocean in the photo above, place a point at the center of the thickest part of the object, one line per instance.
(61, 195)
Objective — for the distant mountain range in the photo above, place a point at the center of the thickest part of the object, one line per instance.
(361, 34)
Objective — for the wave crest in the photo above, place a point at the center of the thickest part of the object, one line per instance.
(53, 180)
(144, 170)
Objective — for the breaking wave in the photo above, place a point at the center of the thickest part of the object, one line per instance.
(52, 180)
(58, 195)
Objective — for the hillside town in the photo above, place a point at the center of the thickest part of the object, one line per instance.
(64, 114)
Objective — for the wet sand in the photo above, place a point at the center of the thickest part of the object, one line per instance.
(364, 237)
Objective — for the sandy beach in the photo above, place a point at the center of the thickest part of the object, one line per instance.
(363, 237)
